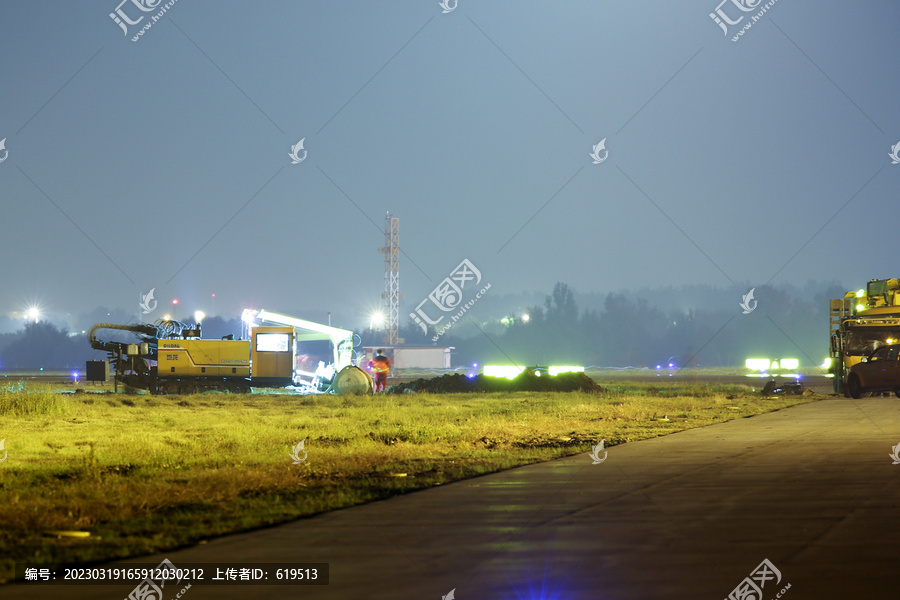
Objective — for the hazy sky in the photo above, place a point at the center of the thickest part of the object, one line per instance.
(163, 163)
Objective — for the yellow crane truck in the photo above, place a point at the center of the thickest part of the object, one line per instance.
(861, 322)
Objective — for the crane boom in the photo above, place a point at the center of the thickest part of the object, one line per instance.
(305, 331)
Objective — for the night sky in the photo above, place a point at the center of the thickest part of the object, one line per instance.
(164, 163)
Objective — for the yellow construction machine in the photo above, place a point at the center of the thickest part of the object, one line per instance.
(170, 357)
(861, 322)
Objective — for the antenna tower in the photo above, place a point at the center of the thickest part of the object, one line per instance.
(391, 295)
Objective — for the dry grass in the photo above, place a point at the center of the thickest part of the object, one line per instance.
(145, 473)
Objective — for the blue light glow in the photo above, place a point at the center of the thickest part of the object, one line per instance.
(534, 586)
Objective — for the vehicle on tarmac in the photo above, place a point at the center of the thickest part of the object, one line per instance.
(861, 322)
(878, 372)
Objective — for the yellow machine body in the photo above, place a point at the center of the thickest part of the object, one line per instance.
(178, 361)
(203, 358)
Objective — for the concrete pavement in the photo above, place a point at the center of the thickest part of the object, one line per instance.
(690, 515)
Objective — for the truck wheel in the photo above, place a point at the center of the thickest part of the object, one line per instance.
(854, 387)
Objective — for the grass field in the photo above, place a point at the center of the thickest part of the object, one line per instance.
(144, 473)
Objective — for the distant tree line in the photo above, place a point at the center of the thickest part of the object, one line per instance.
(629, 331)
(43, 345)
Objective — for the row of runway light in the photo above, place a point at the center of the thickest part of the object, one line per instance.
(765, 367)
(511, 372)
(759, 367)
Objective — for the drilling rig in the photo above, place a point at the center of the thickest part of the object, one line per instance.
(170, 357)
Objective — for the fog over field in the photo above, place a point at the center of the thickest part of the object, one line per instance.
(230, 156)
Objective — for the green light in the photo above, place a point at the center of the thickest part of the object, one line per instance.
(860, 308)
(860, 293)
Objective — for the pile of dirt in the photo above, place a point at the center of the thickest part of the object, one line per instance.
(527, 381)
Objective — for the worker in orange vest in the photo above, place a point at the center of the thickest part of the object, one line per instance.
(380, 367)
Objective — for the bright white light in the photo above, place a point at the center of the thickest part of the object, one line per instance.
(526, 317)
(376, 319)
(509, 372)
(757, 364)
(33, 313)
(790, 363)
(167, 317)
(558, 370)
(199, 315)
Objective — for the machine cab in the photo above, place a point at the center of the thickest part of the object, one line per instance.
(272, 356)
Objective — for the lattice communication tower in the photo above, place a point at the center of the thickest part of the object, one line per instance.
(391, 295)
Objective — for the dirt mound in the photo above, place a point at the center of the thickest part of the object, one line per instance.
(527, 381)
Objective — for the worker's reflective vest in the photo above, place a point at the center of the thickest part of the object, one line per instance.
(380, 365)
